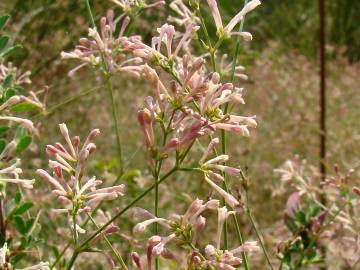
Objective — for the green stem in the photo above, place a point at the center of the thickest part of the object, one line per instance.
(72, 260)
(259, 237)
(238, 233)
(65, 102)
(90, 13)
(116, 122)
(74, 230)
(60, 255)
(117, 255)
(107, 77)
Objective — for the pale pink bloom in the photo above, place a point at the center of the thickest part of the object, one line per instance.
(248, 246)
(184, 15)
(166, 35)
(196, 208)
(159, 248)
(23, 122)
(219, 259)
(11, 175)
(229, 199)
(152, 242)
(85, 194)
(128, 5)
(241, 129)
(209, 149)
(10, 102)
(228, 29)
(145, 120)
(198, 227)
(223, 215)
(18, 77)
(142, 226)
(150, 75)
(240, 16)
(293, 204)
(102, 45)
(246, 35)
(136, 260)
(7, 153)
(216, 14)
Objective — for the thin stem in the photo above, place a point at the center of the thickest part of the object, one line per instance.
(60, 255)
(116, 122)
(109, 87)
(259, 237)
(90, 13)
(65, 102)
(117, 255)
(74, 230)
(238, 233)
(2, 223)
(158, 165)
(72, 260)
(156, 206)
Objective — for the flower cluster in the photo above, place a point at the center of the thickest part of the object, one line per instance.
(73, 192)
(103, 48)
(186, 230)
(17, 77)
(228, 29)
(135, 6)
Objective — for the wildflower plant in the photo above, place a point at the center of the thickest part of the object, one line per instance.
(190, 106)
(18, 232)
(315, 215)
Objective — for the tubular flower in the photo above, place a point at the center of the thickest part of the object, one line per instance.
(11, 175)
(227, 260)
(227, 30)
(130, 6)
(75, 193)
(104, 46)
(184, 15)
(18, 77)
(166, 37)
(180, 227)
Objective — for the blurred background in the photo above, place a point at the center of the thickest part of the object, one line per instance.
(282, 90)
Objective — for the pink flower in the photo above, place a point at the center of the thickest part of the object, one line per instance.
(76, 193)
(102, 45)
(145, 120)
(227, 31)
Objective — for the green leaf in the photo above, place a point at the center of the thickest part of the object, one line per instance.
(23, 143)
(290, 224)
(19, 224)
(8, 80)
(3, 20)
(3, 41)
(23, 107)
(2, 145)
(21, 132)
(22, 208)
(28, 224)
(300, 216)
(9, 93)
(17, 197)
(9, 51)
(3, 130)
